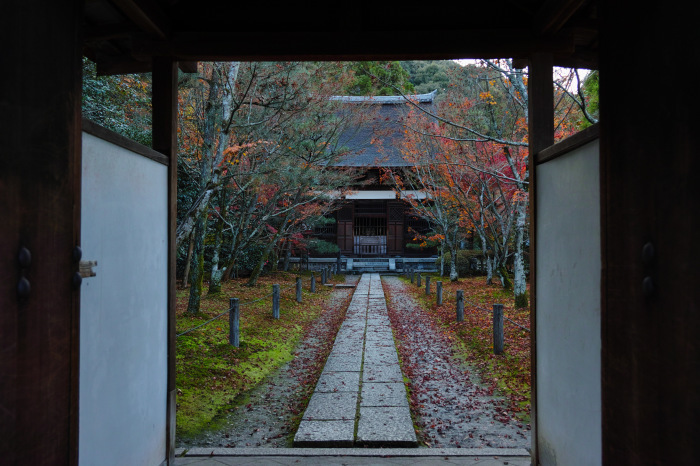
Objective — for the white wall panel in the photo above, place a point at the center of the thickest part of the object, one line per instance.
(123, 311)
(568, 309)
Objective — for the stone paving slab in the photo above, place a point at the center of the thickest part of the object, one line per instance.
(374, 352)
(380, 358)
(383, 394)
(382, 323)
(338, 382)
(325, 433)
(350, 353)
(382, 373)
(372, 336)
(332, 406)
(378, 348)
(339, 364)
(386, 426)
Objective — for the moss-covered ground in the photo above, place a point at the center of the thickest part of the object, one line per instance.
(213, 376)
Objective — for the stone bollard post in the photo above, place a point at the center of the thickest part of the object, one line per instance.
(438, 293)
(276, 301)
(412, 278)
(418, 280)
(313, 283)
(323, 276)
(234, 328)
(298, 289)
(460, 306)
(427, 284)
(498, 329)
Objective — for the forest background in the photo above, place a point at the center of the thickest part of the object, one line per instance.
(258, 143)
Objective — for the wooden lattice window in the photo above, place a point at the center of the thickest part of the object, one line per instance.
(369, 226)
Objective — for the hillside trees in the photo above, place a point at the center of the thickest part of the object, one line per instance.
(428, 75)
(377, 78)
(120, 103)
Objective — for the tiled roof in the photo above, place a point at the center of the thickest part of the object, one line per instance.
(377, 143)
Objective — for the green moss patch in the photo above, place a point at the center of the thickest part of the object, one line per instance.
(213, 376)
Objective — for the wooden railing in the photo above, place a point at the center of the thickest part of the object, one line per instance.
(369, 245)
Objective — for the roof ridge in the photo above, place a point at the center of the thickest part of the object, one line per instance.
(385, 99)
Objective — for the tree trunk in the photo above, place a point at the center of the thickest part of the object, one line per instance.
(197, 280)
(275, 259)
(187, 225)
(253, 280)
(505, 279)
(188, 262)
(453, 263)
(216, 272)
(442, 259)
(287, 256)
(519, 283)
(484, 252)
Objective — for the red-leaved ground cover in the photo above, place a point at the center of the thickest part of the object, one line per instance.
(508, 373)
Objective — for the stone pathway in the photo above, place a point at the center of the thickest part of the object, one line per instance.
(360, 399)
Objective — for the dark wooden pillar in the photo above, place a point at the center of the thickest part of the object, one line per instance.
(394, 221)
(344, 228)
(650, 224)
(40, 89)
(541, 136)
(165, 142)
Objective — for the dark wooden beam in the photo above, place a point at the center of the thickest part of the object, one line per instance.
(325, 45)
(103, 32)
(520, 63)
(165, 142)
(541, 136)
(117, 139)
(541, 101)
(188, 66)
(554, 14)
(146, 15)
(107, 66)
(567, 145)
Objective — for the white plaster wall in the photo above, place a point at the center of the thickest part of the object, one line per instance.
(123, 310)
(568, 309)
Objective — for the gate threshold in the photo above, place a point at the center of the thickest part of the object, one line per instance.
(420, 452)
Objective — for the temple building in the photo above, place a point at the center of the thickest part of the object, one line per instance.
(374, 226)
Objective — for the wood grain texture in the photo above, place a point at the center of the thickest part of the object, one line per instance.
(40, 202)
(650, 345)
(541, 136)
(165, 142)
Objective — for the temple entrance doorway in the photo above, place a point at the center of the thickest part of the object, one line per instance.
(369, 236)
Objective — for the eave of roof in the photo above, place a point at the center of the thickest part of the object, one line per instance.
(122, 36)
